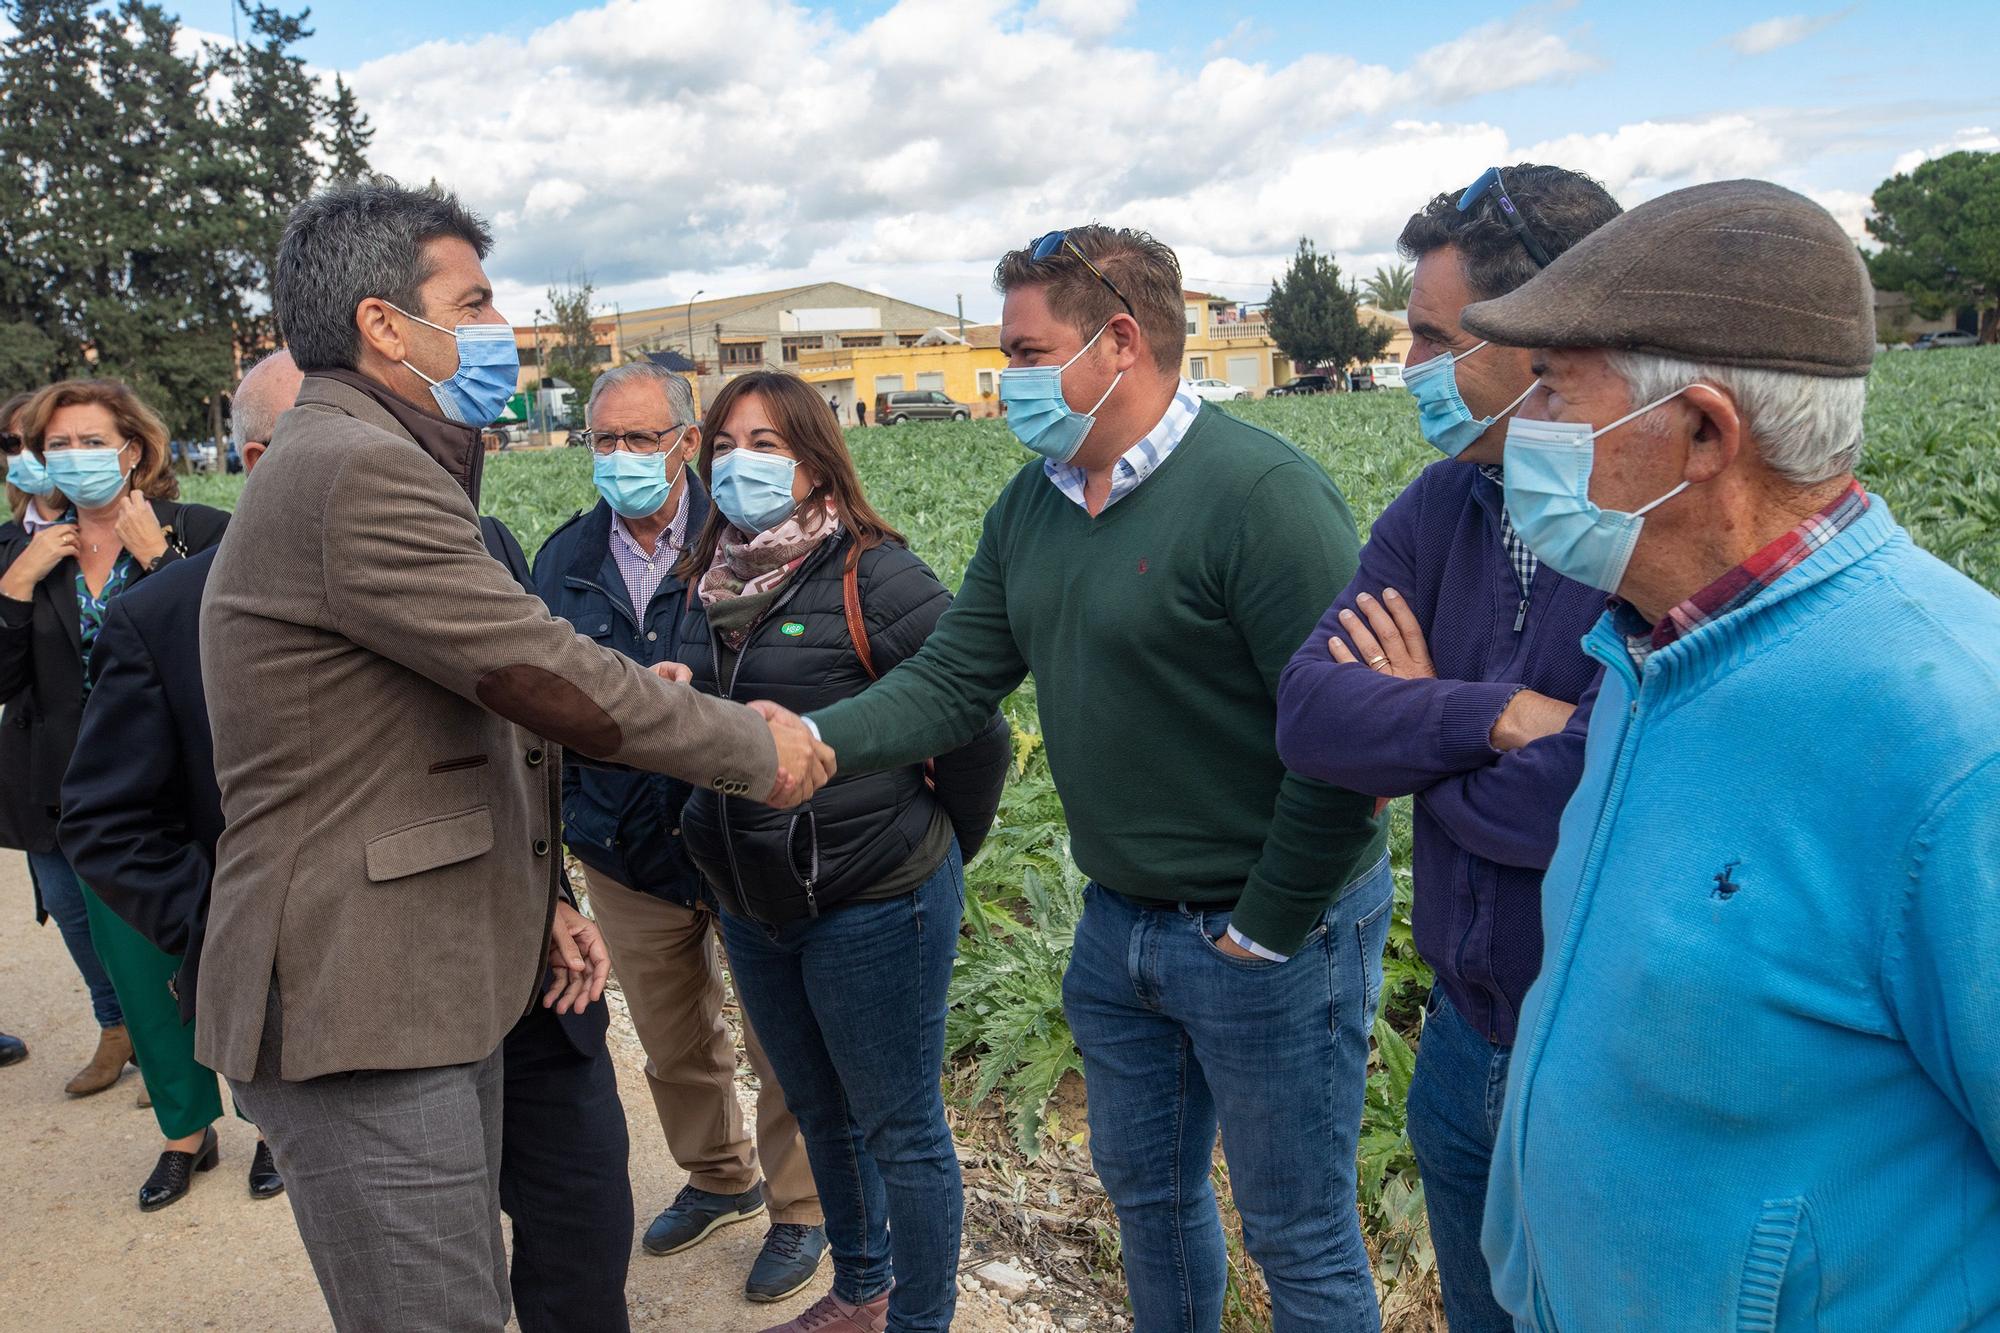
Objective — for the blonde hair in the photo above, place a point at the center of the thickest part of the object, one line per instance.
(137, 422)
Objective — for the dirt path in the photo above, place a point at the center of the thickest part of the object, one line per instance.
(77, 1254)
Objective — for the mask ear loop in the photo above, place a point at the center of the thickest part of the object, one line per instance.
(1647, 509)
(1516, 403)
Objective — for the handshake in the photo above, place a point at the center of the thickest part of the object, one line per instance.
(805, 764)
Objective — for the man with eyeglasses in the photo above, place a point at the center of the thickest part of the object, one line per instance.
(608, 571)
(1155, 566)
(1450, 669)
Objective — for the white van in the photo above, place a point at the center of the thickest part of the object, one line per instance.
(1387, 374)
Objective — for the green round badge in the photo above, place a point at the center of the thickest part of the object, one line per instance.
(791, 629)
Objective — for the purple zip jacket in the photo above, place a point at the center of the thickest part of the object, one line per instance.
(1485, 822)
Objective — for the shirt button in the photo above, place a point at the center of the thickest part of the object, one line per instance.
(676, 833)
(541, 847)
(652, 636)
(534, 756)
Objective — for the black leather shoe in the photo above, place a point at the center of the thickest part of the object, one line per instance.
(175, 1172)
(265, 1182)
(12, 1050)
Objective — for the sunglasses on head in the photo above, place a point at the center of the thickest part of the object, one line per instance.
(1493, 183)
(10, 443)
(1046, 246)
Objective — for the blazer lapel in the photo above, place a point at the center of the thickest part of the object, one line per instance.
(60, 588)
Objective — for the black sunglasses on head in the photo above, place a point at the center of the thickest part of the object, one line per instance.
(1493, 183)
(1043, 247)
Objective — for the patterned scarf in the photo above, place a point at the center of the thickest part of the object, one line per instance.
(747, 576)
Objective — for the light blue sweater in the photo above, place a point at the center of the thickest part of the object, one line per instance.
(1757, 1085)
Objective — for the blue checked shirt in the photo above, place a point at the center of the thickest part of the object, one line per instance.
(1518, 555)
(1140, 461)
(645, 570)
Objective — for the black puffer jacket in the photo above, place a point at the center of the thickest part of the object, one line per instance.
(777, 866)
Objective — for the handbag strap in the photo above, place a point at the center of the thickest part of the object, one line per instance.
(850, 597)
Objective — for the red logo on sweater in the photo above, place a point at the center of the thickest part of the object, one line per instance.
(1142, 564)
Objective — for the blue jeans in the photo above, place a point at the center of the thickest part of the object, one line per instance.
(1178, 1038)
(1454, 1116)
(850, 1006)
(62, 898)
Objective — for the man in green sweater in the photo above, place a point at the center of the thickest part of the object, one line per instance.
(1155, 568)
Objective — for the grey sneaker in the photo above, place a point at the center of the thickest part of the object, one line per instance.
(694, 1214)
(792, 1254)
(830, 1314)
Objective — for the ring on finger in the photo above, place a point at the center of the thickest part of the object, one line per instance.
(1378, 662)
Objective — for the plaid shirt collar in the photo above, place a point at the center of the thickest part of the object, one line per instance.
(1524, 561)
(643, 570)
(1142, 459)
(1742, 584)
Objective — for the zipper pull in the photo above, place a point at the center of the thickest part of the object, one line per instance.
(1521, 615)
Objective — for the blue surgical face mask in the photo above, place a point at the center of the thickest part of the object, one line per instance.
(1040, 416)
(753, 490)
(488, 366)
(27, 474)
(91, 477)
(1442, 414)
(1547, 483)
(635, 485)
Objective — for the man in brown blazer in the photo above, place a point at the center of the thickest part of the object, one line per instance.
(386, 704)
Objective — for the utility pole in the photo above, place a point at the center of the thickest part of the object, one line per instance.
(961, 316)
(541, 378)
(690, 329)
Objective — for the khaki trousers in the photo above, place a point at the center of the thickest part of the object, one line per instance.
(666, 959)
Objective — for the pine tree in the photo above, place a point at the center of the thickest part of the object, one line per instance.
(1313, 315)
(347, 135)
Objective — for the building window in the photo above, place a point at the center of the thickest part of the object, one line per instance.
(1193, 321)
(791, 347)
(600, 355)
(931, 379)
(888, 383)
(908, 339)
(742, 354)
(988, 384)
(1197, 367)
(861, 340)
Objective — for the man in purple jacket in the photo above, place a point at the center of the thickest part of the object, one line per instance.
(1451, 669)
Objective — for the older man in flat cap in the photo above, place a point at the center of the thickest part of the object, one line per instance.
(1757, 1085)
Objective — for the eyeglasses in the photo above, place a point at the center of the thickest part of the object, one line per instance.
(1493, 183)
(634, 441)
(1045, 246)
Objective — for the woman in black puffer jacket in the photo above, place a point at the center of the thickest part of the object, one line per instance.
(840, 917)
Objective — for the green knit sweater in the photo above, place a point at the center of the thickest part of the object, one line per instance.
(1156, 632)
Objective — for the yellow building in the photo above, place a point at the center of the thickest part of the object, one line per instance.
(967, 372)
(1230, 341)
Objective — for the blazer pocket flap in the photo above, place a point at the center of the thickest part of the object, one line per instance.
(442, 841)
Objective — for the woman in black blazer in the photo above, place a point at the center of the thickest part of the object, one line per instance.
(108, 452)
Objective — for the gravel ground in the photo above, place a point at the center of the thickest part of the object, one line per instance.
(77, 1254)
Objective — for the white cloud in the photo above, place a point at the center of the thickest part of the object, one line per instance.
(640, 142)
(1975, 137)
(1777, 33)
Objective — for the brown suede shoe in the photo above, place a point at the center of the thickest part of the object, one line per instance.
(830, 1314)
(114, 1052)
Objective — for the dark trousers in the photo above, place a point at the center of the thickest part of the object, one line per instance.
(564, 1182)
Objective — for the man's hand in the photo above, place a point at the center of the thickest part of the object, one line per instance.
(1389, 640)
(804, 764)
(1528, 717)
(579, 960)
(138, 530)
(48, 548)
(680, 673)
(1231, 947)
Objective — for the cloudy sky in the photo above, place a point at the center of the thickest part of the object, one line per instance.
(663, 146)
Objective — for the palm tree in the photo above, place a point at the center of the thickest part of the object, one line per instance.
(1389, 289)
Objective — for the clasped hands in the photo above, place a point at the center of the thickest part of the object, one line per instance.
(1387, 639)
(805, 764)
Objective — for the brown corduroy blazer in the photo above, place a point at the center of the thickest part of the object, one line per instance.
(380, 691)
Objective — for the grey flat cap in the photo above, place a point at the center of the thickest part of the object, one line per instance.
(1738, 273)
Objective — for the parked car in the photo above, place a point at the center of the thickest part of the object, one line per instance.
(1951, 338)
(1388, 374)
(1218, 391)
(893, 409)
(1305, 384)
